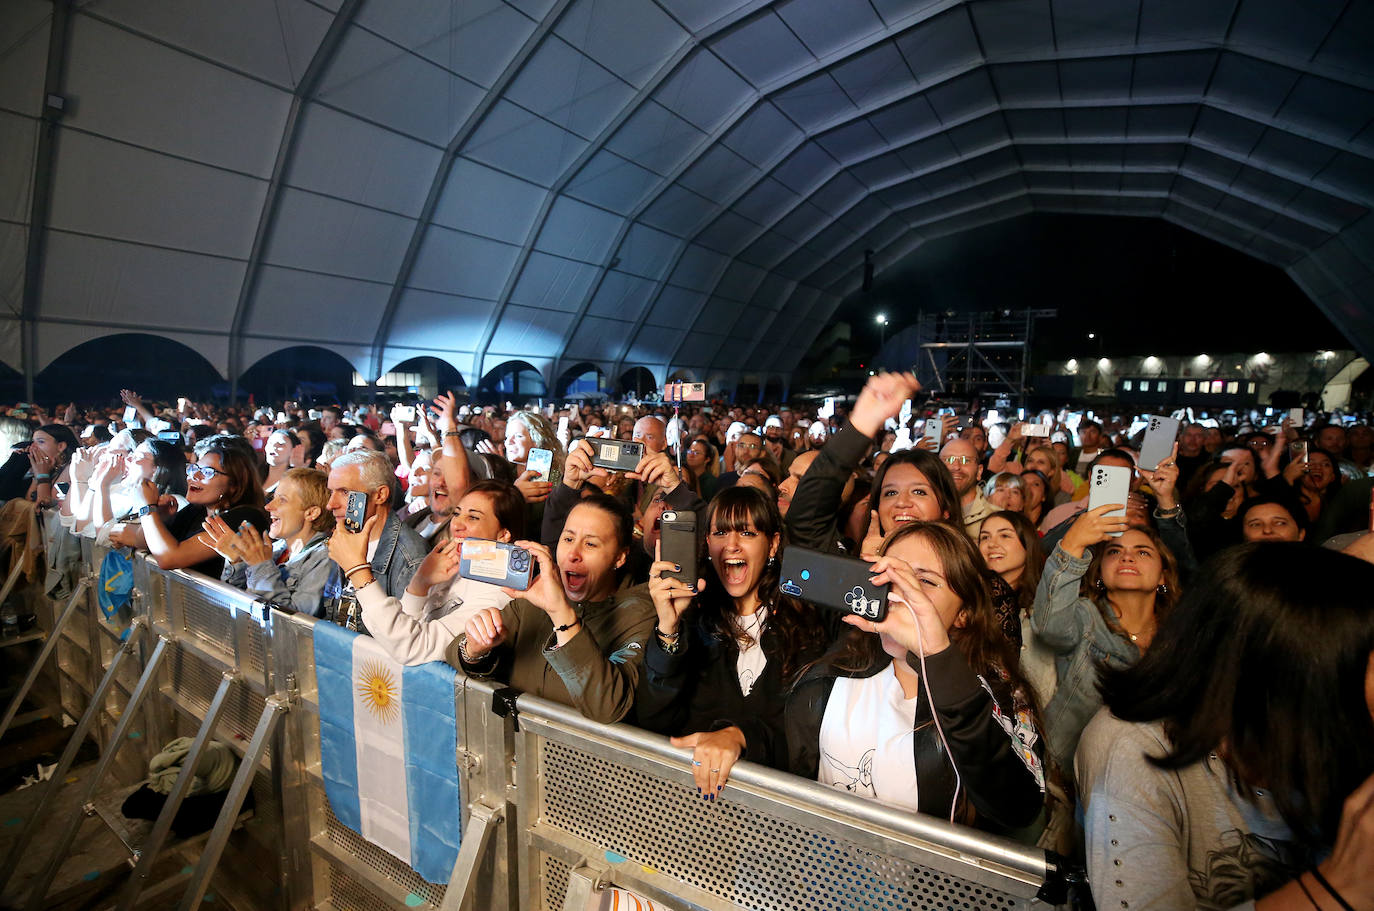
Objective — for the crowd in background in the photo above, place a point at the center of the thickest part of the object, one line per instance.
(1180, 691)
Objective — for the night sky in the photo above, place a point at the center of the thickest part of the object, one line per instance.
(1145, 286)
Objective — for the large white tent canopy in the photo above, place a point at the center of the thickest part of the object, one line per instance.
(684, 185)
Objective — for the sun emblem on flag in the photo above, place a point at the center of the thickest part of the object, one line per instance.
(377, 688)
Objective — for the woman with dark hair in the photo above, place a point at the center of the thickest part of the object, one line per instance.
(1319, 481)
(572, 620)
(1035, 496)
(1233, 763)
(1104, 589)
(911, 485)
(702, 460)
(49, 455)
(224, 482)
(278, 451)
(154, 460)
(726, 648)
(927, 709)
(438, 603)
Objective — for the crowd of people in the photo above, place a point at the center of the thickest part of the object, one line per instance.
(1178, 688)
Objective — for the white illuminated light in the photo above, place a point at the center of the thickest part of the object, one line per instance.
(1092, 335)
(1103, 364)
(1261, 358)
(1328, 355)
(882, 319)
(1202, 359)
(1072, 365)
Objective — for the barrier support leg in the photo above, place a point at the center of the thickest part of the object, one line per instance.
(272, 713)
(128, 896)
(44, 654)
(583, 883)
(14, 574)
(483, 821)
(64, 764)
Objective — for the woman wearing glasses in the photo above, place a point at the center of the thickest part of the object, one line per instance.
(224, 482)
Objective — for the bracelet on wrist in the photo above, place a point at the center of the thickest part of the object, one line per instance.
(567, 626)
(42, 477)
(351, 570)
(358, 588)
(1171, 513)
(146, 510)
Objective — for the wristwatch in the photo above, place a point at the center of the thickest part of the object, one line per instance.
(146, 509)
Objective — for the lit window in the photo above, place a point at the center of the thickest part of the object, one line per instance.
(1218, 386)
(1144, 385)
(1126, 385)
(1163, 386)
(1232, 387)
(1189, 387)
(1250, 388)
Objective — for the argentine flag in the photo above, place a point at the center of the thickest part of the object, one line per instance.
(389, 745)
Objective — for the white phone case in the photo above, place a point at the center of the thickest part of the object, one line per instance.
(1160, 434)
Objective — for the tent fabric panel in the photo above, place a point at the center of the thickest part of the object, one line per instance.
(650, 343)
(611, 182)
(758, 135)
(553, 283)
(387, 84)
(598, 339)
(383, 169)
(446, 321)
(25, 23)
(698, 268)
(718, 174)
(99, 280)
(703, 90)
(569, 89)
(316, 306)
(16, 166)
(273, 40)
(525, 331)
(620, 296)
(646, 251)
(110, 189)
(328, 235)
(677, 210)
(513, 140)
(451, 262)
(629, 37)
(655, 138)
(483, 201)
(762, 50)
(473, 38)
(675, 307)
(578, 231)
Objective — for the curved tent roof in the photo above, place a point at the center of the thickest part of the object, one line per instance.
(678, 184)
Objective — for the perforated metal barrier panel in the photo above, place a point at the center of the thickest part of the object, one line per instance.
(566, 796)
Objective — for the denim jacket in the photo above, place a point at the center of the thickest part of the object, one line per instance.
(1075, 630)
(296, 586)
(400, 551)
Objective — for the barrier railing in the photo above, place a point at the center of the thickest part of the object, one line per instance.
(556, 807)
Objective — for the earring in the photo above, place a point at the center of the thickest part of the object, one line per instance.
(1163, 589)
(772, 560)
(1099, 585)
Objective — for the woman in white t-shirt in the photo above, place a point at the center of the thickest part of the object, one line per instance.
(860, 718)
(437, 603)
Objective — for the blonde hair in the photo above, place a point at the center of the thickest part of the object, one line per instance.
(312, 485)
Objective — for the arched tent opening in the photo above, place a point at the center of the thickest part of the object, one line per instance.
(304, 373)
(772, 390)
(581, 380)
(637, 381)
(96, 370)
(683, 374)
(424, 376)
(516, 381)
(747, 392)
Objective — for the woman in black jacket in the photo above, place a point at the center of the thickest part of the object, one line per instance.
(722, 656)
(926, 710)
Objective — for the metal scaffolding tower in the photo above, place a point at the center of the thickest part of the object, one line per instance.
(976, 354)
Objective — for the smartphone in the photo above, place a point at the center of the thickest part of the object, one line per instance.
(539, 461)
(1297, 451)
(256, 444)
(684, 392)
(1297, 416)
(1035, 430)
(1160, 434)
(840, 583)
(171, 436)
(934, 429)
(1110, 484)
(678, 543)
(406, 413)
(496, 563)
(130, 414)
(617, 455)
(355, 512)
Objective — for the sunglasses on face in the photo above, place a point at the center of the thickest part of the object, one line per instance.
(202, 472)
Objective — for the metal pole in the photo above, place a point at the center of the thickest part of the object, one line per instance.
(48, 647)
(128, 896)
(64, 841)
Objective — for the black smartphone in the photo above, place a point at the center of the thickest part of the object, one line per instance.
(677, 543)
(616, 455)
(496, 563)
(355, 512)
(841, 583)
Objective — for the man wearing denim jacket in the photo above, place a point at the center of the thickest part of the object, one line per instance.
(394, 550)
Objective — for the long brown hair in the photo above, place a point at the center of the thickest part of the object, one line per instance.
(1095, 591)
(797, 622)
(1035, 555)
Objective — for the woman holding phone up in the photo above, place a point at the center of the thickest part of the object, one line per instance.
(726, 647)
(925, 709)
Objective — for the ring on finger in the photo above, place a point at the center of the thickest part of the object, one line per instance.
(715, 770)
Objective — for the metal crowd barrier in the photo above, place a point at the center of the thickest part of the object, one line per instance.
(556, 808)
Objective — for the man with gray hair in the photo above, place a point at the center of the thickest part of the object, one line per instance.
(385, 552)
